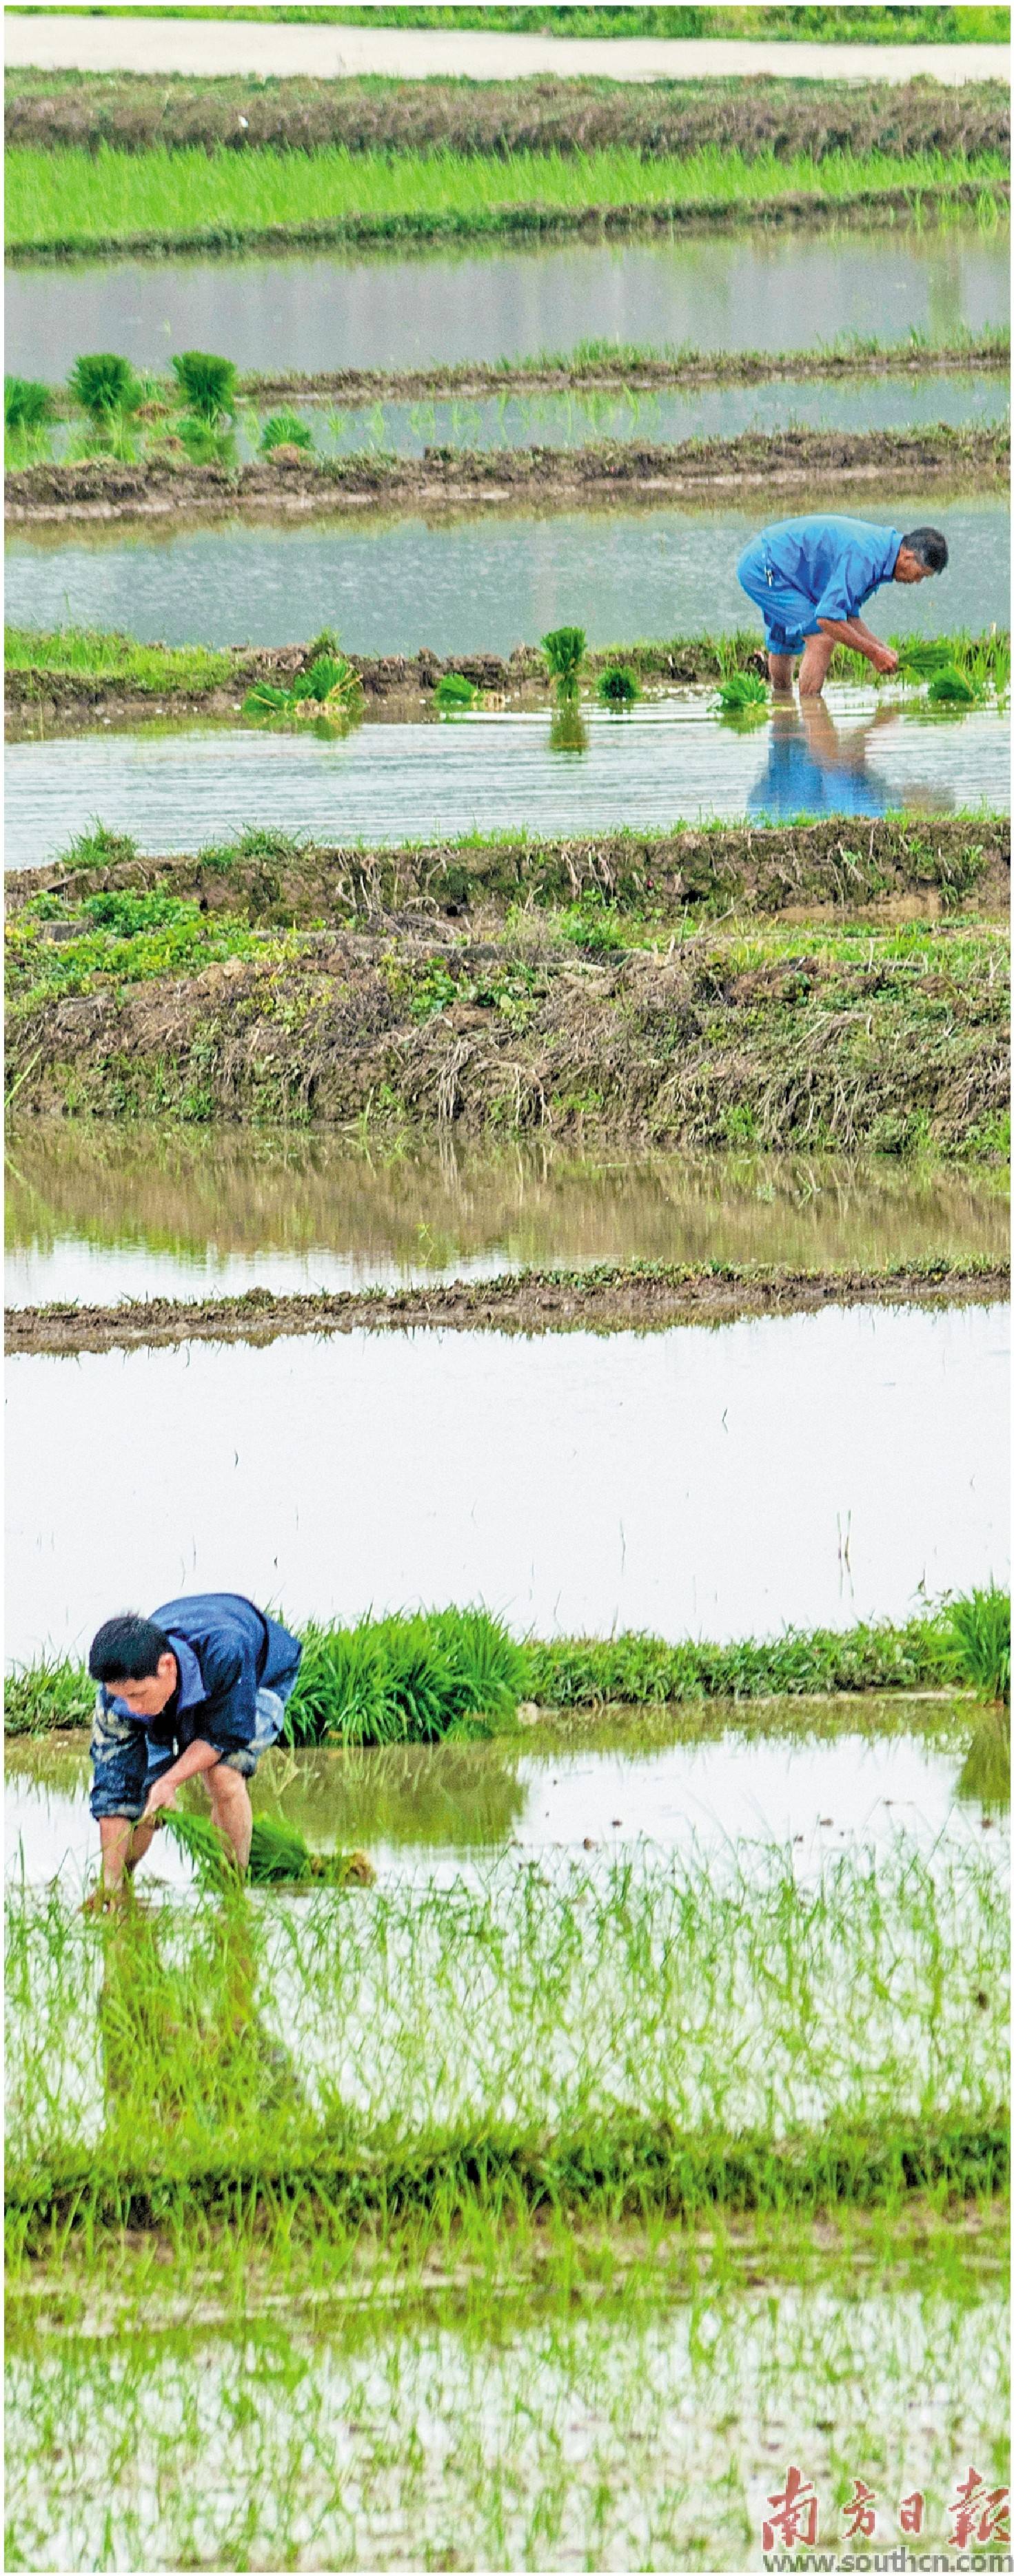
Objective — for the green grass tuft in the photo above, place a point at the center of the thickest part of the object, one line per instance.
(977, 1641)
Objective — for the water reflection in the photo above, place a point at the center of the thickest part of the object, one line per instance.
(673, 1778)
(666, 760)
(765, 287)
(98, 1211)
(814, 767)
(804, 1470)
(478, 581)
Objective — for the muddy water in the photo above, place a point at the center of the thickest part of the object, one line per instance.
(809, 1470)
(479, 582)
(97, 1214)
(670, 760)
(424, 1809)
(756, 289)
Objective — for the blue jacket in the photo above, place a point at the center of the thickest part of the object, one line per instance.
(226, 1651)
(833, 563)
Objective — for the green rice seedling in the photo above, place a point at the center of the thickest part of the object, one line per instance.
(53, 1693)
(949, 687)
(104, 385)
(27, 405)
(206, 443)
(453, 693)
(922, 656)
(265, 699)
(564, 648)
(285, 429)
(618, 685)
(977, 1641)
(330, 677)
(744, 693)
(405, 1679)
(207, 384)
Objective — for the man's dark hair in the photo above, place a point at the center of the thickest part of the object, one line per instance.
(127, 1649)
(930, 547)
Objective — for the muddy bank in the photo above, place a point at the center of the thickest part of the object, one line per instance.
(541, 114)
(932, 865)
(290, 481)
(610, 1299)
(703, 1045)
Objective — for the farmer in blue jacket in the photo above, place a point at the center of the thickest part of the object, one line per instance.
(811, 577)
(199, 1688)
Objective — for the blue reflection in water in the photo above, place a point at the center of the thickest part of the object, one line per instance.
(814, 768)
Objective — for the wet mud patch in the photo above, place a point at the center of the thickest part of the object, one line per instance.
(609, 1298)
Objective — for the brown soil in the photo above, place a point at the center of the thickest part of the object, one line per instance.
(691, 1046)
(160, 487)
(607, 1300)
(642, 374)
(496, 117)
(929, 867)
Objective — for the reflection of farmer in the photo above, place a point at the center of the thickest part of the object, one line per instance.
(199, 1688)
(813, 769)
(810, 577)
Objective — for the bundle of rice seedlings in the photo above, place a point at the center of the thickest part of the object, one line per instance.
(618, 685)
(280, 1856)
(26, 404)
(950, 688)
(977, 1629)
(921, 656)
(285, 429)
(207, 383)
(453, 692)
(743, 697)
(104, 384)
(564, 651)
(265, 700)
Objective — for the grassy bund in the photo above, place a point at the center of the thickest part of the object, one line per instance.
(482, 119)
(579, 995)
(109, 202)
(164, 485)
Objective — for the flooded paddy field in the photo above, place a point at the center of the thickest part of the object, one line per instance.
(804, 1470)
(482, 581)
(822, 1780)
(98, 1212)
(611, 2434)
(759, 288)
(392, 781)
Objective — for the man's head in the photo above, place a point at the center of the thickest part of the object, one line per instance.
(136, 1662)
(923, 551)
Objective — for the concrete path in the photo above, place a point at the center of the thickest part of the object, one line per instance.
(149, 43)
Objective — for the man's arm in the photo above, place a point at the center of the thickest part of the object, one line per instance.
(199, 1756)
(851, 632)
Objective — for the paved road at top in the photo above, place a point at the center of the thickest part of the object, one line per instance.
(209, 46)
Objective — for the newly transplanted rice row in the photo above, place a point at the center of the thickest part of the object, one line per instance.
(632, 364)
(627, 2034)
(92, 665)
(417, 1679)
(484, 2431)
(108, 201)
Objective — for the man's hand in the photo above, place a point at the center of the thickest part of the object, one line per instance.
(884, 660)
(162, 1793)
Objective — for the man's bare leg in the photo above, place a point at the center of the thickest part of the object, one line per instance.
(123, 1845)
(231, 1810)
(780, 670)
(814, 666)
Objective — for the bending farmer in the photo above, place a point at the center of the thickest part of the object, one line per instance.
(810, 578)
(199, 1688)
